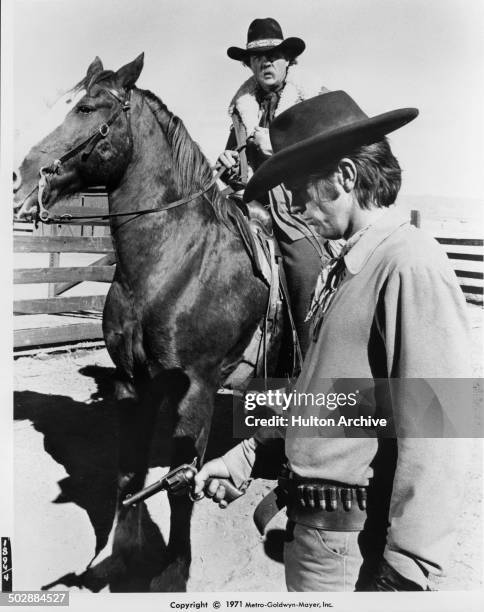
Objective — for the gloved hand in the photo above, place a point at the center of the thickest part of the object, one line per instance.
(388, 579)
(261, 139)
(230, 160)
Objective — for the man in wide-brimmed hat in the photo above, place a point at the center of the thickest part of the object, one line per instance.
(366, 511)
(275, 85)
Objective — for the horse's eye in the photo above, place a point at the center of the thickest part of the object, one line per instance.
(85, 110)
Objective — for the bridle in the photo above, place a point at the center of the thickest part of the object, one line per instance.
(44, 215)
(103, 130)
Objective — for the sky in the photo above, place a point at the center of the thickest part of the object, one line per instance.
(386, 54)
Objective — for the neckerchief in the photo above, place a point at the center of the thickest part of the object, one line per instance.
(268, 102)
(329, 279)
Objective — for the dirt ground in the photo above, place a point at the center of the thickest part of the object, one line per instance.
(65, 465)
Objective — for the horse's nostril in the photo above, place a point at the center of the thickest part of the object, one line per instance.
(17, 180)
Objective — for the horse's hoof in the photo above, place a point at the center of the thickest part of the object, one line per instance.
(173, 578)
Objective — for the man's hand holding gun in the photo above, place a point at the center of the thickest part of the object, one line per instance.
(211, 481)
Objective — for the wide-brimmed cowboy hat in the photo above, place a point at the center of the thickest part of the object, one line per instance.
(309, 135)
(266, 35)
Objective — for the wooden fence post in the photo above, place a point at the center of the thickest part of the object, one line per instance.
(54, 262)
(415, 218)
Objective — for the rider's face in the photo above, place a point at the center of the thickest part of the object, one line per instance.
(269, 69)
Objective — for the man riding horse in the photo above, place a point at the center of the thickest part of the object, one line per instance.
(274, 86)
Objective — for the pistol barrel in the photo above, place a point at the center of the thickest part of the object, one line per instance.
(145, 493)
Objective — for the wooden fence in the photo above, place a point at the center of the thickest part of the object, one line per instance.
(62, 319)
(470, 280)
(467, 258)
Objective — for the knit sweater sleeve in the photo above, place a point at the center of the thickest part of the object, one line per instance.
(240, 460)
(425, 330)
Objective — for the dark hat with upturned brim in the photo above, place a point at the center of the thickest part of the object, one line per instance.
(309, 135)
(266, 35)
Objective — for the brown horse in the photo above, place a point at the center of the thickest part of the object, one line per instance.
(184, 302)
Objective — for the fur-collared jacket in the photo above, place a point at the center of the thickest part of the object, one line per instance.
(298, 87)
(246, 112)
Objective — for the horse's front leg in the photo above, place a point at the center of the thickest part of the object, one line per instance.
(125, 546)
(136, 418)
(135, 558)
(190, 436)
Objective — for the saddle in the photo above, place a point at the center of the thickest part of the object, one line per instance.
(254, 224)
(259, 215)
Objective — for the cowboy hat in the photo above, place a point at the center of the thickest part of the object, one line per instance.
(314, 132)
(266, 35)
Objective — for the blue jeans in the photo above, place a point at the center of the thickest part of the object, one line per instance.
(319, 560)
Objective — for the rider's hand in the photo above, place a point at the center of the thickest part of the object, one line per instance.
(212, 470)
(262, 141)
(229, 159)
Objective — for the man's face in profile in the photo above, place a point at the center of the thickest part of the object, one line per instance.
(323, 204)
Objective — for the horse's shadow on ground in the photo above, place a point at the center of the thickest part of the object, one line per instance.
(83, 437)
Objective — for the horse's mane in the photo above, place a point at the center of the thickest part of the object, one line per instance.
(192, 170)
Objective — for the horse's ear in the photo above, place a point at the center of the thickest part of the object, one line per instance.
(95, 67)
(128, 75)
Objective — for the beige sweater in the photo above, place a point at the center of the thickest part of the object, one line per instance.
(399, 313)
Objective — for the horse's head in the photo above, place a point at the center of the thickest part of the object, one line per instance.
(92, 146)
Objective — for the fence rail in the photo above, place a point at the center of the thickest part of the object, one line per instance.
(62, 244)
(81, 303)
(472, 251)
(476, 244)
(74, 275)
(62, 334)
(462, 241)
(57, 318)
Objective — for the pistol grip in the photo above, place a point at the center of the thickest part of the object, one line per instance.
(231, 491)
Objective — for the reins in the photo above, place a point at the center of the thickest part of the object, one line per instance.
(44, 215)
(65, 218)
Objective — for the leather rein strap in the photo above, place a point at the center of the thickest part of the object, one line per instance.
(65, 218)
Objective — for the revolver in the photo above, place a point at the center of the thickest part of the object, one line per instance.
(180, 481)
